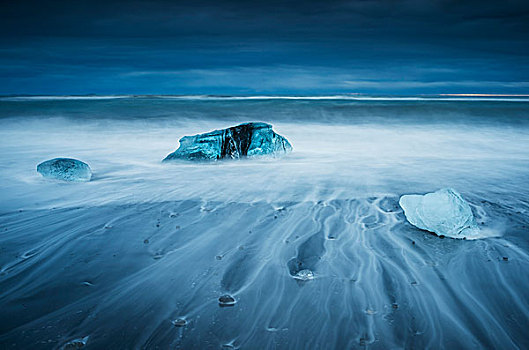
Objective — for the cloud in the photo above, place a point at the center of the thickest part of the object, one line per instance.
(290, 78)
(207, 46)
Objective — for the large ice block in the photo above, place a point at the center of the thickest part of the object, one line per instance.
(249, 139)
(443, 212)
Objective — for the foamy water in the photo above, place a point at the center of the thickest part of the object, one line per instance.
(122, 257)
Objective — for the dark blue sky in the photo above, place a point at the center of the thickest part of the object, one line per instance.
(272, 47)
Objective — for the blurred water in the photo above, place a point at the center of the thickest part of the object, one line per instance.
(143, 244)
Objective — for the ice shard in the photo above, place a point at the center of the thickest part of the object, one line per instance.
(443, 212)
(244, 140)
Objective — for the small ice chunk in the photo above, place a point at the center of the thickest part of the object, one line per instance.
(370, 311)
(76, 344)
(304, 275)
(227, 300)
(65, 169)
(179, 322)
(443, 212)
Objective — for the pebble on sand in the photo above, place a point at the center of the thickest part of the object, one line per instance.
(226, 300)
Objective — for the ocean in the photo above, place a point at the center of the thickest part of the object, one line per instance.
(138, 257)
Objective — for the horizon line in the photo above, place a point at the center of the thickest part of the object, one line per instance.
(335, 95)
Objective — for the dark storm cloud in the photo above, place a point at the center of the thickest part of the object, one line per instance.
(273, 46)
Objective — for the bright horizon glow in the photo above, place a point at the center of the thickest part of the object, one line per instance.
(486, 95)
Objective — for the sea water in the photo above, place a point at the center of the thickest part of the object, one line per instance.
(115, 261)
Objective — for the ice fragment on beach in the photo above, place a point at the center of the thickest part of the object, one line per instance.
(304, 275)
(244, 140)
(370, 311)
(179, 322)
(443, 212)
(226, 300)
(66, 169)
(76, 344)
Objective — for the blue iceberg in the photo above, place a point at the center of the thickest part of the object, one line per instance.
(66, 169)
(443, 212)
(244, 140)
